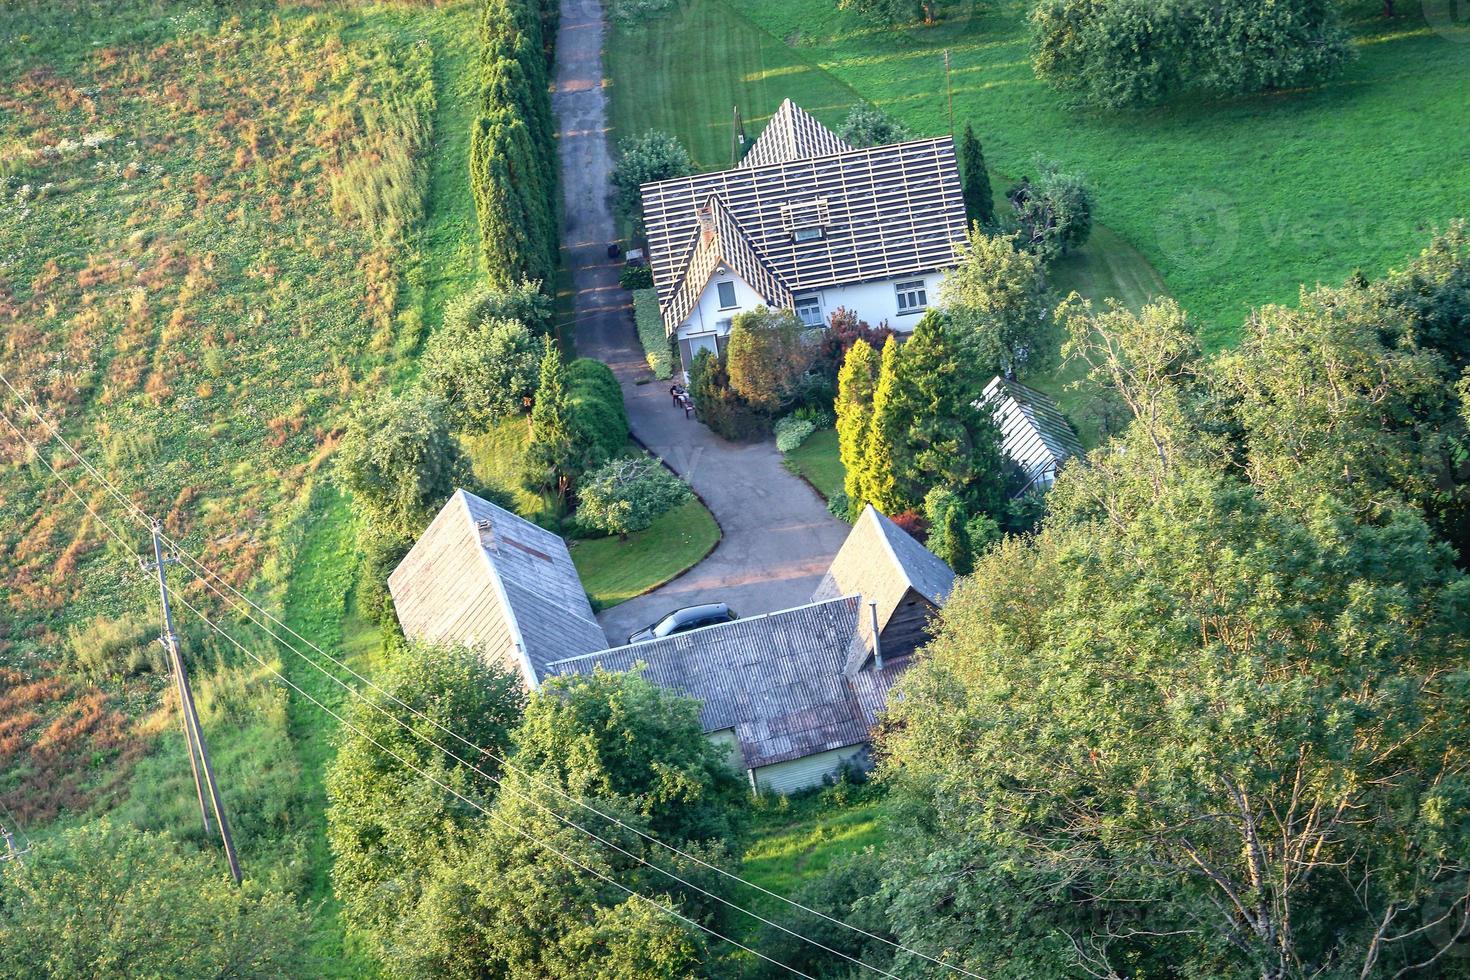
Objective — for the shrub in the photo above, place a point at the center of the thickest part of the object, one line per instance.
(767, 357)
(595, 401)
(1120, 53)
(484, 371)
(524, 301)
(724, 411)
(657, 347)
(634, 13)
(1054, 214)
(792, 431)
(913, 523)
(628, 494)
(839, 505)
(636, 277)
(653, 156)
(867, 125)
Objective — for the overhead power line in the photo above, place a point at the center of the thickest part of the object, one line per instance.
(631, 893)
(567, 821)
(205, 574)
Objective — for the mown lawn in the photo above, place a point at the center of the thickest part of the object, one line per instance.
(817, 462)
(1235, 203)
(615, 571)
(612, 571)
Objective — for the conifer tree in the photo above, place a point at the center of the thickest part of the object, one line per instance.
(855, 384)
(510, 199)
(948, 441)
(552, 452)
(979, 199)
(885, 439)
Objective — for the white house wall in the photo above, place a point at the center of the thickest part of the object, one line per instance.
(874, 302)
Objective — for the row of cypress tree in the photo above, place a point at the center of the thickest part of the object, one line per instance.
(513, 147)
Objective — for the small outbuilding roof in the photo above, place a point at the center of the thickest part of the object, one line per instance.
(1035, 434)
(483, 577)
(881, 562)
(776, 680)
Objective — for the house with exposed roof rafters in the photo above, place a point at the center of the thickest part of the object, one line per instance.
(806, 223)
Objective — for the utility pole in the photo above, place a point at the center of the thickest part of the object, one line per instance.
(737, 137)
(11, 852)
(949, 91)
(193, 735)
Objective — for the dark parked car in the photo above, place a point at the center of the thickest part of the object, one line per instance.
(684, 620)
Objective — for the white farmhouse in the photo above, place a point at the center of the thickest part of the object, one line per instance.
(804, 223)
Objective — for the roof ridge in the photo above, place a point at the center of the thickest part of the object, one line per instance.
(712, 626)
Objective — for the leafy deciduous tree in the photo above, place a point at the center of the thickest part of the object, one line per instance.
(628, 494)
(653, 156)
(867, 125)
(400, 461)
(996, 300)
(1054, 213)
(484, 373)
(106, 900)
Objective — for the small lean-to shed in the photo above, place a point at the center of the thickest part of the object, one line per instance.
(904, 583)
(1035, 435)
(482, 577)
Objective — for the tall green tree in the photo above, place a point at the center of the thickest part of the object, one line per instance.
(517, 240)
(979, 198)
(885, 443)
(996, 300)
(1204, 722)
(104, 899)
(399, 459)
(948, 440)
(551, 456)
(506, 904)
(856, 383)
(651, 157)
(390, 816)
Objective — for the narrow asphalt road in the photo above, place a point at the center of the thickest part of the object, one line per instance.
(778, 536)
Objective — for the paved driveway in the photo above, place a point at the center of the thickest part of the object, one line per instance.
(777, 535)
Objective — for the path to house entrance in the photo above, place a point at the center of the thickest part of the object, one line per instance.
(778, 537)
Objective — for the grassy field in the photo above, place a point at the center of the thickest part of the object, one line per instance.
(684, 73)
(219, 225)
(1235, 203)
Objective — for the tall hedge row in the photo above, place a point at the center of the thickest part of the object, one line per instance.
(595, 401)
(513, 146)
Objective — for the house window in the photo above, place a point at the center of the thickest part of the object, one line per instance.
(727, 295)
(812, 233)
(911, 297)
(809, 309)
